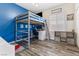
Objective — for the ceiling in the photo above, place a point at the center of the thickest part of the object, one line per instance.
(37, 7)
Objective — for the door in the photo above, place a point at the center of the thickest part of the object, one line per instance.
(52, 25)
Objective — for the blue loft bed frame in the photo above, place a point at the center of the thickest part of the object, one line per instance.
(30, 19)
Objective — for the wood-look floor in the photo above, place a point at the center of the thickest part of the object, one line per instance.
(49, 48)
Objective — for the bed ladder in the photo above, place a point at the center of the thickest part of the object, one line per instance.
(47, 30)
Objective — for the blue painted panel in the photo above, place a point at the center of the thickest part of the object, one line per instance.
(8, 11)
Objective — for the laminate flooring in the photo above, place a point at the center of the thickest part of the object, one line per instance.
(49, 48)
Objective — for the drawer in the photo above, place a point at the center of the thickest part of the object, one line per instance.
(71, 41)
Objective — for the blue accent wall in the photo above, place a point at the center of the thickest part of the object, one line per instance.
(8, 11)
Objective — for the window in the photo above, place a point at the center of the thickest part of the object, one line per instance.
(56, 10)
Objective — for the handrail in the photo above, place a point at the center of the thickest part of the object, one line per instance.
(24, 14)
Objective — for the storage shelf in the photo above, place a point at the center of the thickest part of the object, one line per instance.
(21, 40)
(22, 31)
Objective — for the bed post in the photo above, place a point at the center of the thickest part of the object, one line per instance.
(28, 29)
(47, 30)
(16, 30)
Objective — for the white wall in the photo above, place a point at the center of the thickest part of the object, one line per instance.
(67, 9)
(6, 49)
(77, 22)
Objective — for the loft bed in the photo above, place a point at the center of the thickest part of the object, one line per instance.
(31, 19)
